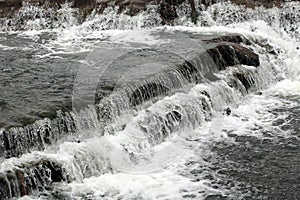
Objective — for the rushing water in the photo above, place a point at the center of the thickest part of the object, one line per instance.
(159, 131)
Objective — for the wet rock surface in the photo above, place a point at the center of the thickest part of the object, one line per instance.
(230, 54)
(27, 177)
(17, 141)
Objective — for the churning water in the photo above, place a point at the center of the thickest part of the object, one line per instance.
(80, 121)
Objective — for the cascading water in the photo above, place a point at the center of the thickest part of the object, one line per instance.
(158, 112)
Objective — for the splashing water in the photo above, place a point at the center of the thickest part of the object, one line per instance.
(177, 145)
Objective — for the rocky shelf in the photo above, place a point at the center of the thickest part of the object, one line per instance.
(39, 174)
(224, 51)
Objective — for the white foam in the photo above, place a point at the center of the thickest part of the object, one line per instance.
(85, 160)
(286, 87)
(137, 36)
(164, 185)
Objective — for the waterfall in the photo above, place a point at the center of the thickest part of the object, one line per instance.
(147, 95)
(33, 17)
(147, 127)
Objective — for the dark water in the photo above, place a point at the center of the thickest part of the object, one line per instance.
(269, 167)
(37, 76)
(32, 87)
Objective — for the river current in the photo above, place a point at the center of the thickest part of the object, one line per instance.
(206, 140)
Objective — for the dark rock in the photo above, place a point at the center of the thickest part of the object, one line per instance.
(257, 3)
(229, 54)
(242, 77)
(22, 183)
(167, 12)
(84, 3)
(206, 94)
(245, 56)
(174, 116)
(16, 141)
(9, 7)
(4, 187)
(12, 3)
(238, 39)
(56, 170)
(27, 177)
(13, 182)
(189, 196)
(194, 13)
(227, 111)
(134, 6)
(215, 197)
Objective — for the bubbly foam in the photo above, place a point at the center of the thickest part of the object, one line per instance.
(178, 164)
